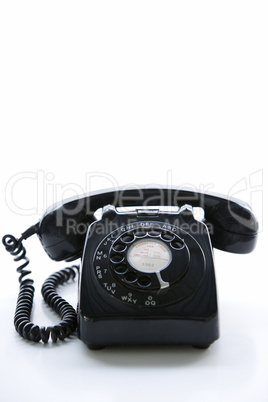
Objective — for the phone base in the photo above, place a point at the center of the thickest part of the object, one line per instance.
(98, 333)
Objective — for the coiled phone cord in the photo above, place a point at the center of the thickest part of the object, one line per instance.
(22, 322)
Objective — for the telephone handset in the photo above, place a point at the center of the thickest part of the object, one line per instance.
(147, 273)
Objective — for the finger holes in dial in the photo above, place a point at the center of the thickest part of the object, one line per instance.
(177, 244)
(167, 236)
(131, 277)
(121, 269)
(144, 281)
(127, 238)
(117, 258)
(140, 233)
(154, 233)
(119, 247)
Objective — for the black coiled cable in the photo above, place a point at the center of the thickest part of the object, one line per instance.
(22, 322)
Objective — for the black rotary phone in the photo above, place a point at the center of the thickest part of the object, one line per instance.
(147, 274)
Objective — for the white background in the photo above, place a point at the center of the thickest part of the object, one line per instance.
(105, 93)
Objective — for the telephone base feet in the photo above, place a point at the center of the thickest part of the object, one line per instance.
(95, 347)
(205, 346)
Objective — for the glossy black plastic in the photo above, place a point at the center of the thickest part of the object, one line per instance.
(231, 223)
(112, 312)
